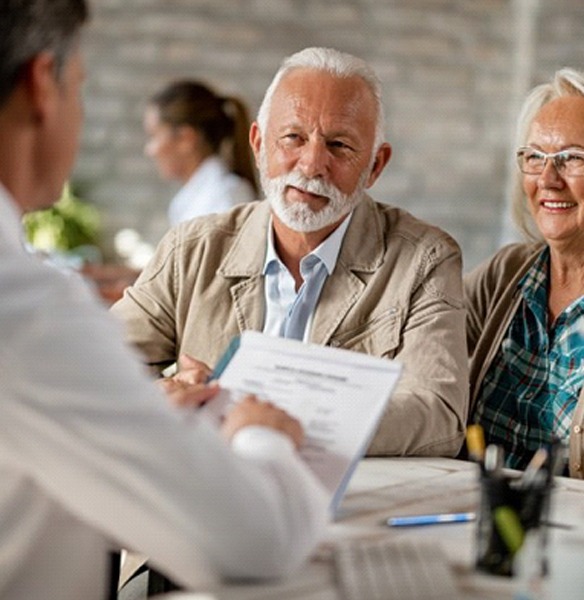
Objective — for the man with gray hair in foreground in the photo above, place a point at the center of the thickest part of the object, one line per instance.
(92, 457)
(319, 260)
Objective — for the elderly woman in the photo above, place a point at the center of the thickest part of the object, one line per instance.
(526, 304)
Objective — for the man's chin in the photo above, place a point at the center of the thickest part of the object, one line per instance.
(304, 221)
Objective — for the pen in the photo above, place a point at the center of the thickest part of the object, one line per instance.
(494, 460)
(475, 442)
(534, 467)
(509, 527)
(221, 365)
(415, 520)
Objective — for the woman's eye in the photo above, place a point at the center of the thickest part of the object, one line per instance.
(573, 158)
(531, 157)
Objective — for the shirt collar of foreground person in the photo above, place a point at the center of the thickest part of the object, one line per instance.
(91, 454)
(547, 399)
(395, 290)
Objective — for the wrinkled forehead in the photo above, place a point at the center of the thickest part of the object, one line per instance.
(306, 93)
(560, 123)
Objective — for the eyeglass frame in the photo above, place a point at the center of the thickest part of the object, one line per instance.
(559, 166)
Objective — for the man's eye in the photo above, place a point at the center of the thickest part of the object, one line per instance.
(338, 144)
(290, 139)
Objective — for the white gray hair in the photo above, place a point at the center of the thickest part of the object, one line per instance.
(339, 64)
(565, 82)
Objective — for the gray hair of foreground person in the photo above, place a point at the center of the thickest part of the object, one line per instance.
(565, 82)
(336, 63)
(28, 27)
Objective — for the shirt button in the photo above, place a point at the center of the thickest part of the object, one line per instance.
(577, 429)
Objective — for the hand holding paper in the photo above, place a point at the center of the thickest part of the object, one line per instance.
(337, 395)
(250, 411)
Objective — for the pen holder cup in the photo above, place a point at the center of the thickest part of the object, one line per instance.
(508, 512)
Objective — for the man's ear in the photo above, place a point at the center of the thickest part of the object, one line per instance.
(41, 85)
(382, 157)
(255, 141)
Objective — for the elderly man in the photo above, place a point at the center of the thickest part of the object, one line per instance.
(91, 456)
(319, 260)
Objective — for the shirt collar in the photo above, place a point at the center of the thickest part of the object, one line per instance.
(206, 173)
(327, 251)
(11, 231)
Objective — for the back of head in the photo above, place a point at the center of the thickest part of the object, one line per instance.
(221, 120)
(29, 27)
(338, 64)
(194, 104)
(565, 82)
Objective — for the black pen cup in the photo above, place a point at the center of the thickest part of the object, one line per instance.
(510, 510)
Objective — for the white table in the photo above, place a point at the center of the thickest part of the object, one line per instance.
(402, 486)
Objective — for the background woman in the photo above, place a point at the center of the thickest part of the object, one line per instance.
(201, 140)
(526, 305)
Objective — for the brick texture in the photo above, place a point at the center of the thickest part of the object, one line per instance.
(447, 68)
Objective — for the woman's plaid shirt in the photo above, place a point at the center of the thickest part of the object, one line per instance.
(530, 391)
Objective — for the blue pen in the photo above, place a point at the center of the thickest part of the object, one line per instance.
(431, 519)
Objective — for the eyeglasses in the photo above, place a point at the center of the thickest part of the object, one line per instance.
(568, 163)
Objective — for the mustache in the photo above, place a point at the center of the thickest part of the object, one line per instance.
(313, 185)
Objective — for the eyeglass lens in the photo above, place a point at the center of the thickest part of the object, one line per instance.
(568, 162)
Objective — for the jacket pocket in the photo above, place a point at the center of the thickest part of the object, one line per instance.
(379, 336)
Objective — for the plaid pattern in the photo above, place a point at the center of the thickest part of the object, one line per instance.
(531, 389)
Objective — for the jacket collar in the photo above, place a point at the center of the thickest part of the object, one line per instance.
(246, 256)
(362, 250)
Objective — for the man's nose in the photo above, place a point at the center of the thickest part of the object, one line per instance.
(313, 161)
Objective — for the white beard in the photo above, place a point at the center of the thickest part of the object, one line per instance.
(299, 216)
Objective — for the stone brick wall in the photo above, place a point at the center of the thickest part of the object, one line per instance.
(449, 70)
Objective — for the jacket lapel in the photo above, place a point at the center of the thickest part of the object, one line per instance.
(362, 251)
(243, 264)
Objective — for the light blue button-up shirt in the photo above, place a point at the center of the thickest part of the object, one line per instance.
(289, 313)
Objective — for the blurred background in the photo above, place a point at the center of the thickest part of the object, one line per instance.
(453, 73)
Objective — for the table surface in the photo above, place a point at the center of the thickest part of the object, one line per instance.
(384, 487)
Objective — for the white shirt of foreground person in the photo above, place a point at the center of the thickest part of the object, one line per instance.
(211, 189)
(92, 457)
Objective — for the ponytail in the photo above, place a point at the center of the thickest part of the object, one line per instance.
(241, 159)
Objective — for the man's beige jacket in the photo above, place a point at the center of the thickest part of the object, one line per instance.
(396, 292)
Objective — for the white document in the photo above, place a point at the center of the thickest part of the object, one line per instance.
(338, 395)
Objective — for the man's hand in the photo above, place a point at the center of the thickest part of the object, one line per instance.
(187, 387)
(250, 411)
(181, 393)
(192, 371)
